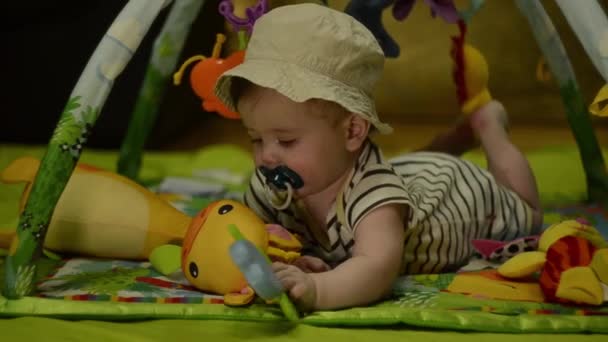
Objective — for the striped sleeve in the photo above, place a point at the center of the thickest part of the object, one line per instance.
(256, 200)
(377, 186)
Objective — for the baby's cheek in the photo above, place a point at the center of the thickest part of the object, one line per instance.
(311, 177)
(299, 166)
(257, 158)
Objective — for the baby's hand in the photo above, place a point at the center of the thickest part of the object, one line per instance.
(310, 264)
(299, 285)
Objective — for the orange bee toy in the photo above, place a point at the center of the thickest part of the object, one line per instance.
(206, 72)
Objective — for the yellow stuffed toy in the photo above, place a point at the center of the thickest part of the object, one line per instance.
(205, 260)
(470, 73)
(101, 214)
(572, 259)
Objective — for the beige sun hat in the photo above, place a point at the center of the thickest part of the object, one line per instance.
(308, 51)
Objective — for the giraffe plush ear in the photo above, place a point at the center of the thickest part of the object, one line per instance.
(599, 264)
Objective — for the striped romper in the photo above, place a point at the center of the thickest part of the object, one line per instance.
(451, 200)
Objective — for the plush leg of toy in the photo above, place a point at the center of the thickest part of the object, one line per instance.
(240, 298)
(505, 161)
(580, 284)
(599, 264)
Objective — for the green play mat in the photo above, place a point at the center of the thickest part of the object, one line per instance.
(419, 301)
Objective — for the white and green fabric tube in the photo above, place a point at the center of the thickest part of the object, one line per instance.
(576, 112)
(167, 49)
(63, 152)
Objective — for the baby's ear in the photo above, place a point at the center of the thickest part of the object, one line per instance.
(356, 132)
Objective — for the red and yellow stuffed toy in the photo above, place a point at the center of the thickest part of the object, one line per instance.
(572, 261)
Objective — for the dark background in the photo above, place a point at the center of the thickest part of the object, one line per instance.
(45, 47)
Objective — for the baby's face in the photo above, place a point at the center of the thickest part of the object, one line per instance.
(297, 135)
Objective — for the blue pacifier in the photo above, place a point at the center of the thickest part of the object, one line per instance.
(280, 184)
(280, 176)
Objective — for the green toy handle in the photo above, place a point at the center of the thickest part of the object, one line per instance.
(249, 264)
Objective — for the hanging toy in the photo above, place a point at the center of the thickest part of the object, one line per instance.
(599, 106)
(243, 26)
(369, 13)
(442, 8)
(470, 73)
(543, 72)
(470, 70)
(206, 72)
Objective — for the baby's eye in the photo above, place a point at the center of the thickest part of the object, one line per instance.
(256, 140)
(287, 143)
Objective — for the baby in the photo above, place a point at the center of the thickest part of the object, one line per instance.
(304, 93)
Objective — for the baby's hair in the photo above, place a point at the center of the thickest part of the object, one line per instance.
(332, 111)
(238, 87)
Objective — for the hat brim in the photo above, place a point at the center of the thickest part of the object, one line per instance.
(299, 84)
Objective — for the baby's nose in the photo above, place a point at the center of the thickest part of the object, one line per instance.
(269, 158)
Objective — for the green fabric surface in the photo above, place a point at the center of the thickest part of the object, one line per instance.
(418, 301)
(25, 328)
(359, 317)
(448, 311)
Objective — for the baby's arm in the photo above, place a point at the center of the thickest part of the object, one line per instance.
(372, 270)
(364, 278)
